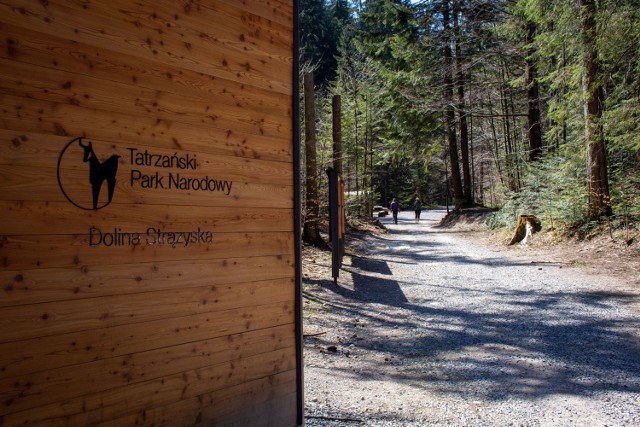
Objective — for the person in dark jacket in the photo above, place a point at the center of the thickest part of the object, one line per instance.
(395, 207)
(417, 207)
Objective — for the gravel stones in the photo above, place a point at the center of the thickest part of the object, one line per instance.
(430, 329)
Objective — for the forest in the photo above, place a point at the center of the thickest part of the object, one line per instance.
(526, 106)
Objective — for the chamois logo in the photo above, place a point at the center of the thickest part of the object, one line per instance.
(76, 190)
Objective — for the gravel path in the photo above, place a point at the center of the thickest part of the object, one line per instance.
(425, 328)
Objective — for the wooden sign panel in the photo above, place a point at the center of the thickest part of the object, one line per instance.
(149, 256)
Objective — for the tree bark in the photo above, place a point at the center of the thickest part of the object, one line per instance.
(310, 231)
(456, 179)
(336, 105)
(462, 114)
(509, 152)
(599, 201)
(533, 96)
(355, 142)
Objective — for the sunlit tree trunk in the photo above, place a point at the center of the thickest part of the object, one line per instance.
(336, 108)
(456, 179)
(462, 113)
(599, 201)
(533, 96)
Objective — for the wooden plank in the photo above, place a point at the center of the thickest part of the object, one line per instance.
(47, 50)
(177, 413)
(116, 330)
(33, 116)
(100, 376)
(52, 251)
(273, 10)
(61, 317)
(278, 411)
(37, 151)
(235, 31)
(21, 358)
(158, 44)
(269, 44)
(62, 284)
(24, 218)
(33, 82)
(222, 407)
(97, 407)
(20, 184)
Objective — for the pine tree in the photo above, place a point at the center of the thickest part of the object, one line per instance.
(599, 199)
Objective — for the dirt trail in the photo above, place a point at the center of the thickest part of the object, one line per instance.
(426, 328)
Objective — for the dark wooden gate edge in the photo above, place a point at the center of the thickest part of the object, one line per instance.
(297, 215)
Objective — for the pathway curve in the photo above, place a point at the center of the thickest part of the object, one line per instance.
(425, 328)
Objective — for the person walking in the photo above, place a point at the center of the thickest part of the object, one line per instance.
(417, 208)
(395, 207)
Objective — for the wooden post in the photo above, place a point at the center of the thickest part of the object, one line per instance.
(337, 161)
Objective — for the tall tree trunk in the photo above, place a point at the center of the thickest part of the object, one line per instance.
(516, 138)
(599, 202)
(462, 114)
(310, 231)
(472, 158)
(509, 152)
(495, 148)
(355, 144)
(366, 181)
(481, 189)
(533, 96)
(336, 105)
(450, 117)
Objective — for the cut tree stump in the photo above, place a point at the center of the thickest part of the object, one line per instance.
(527, 225)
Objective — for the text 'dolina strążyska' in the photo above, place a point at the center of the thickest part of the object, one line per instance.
(153, 236)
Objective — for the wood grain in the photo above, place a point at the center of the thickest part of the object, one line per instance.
(274, 11)
(129, 36)
(24, 218)
(61, 317)
(59, 284)
(105, 375)
(70, 56)
(94, 408)
(30, 81)
(52, 251)
(24, 357)
(18, 183)
(29, 150)
(33, 116)
(224, 407)
(106, 318)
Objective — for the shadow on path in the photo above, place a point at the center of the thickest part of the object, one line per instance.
(484, 342)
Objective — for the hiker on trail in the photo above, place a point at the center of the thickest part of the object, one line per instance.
(395, 207)
(417, 207)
